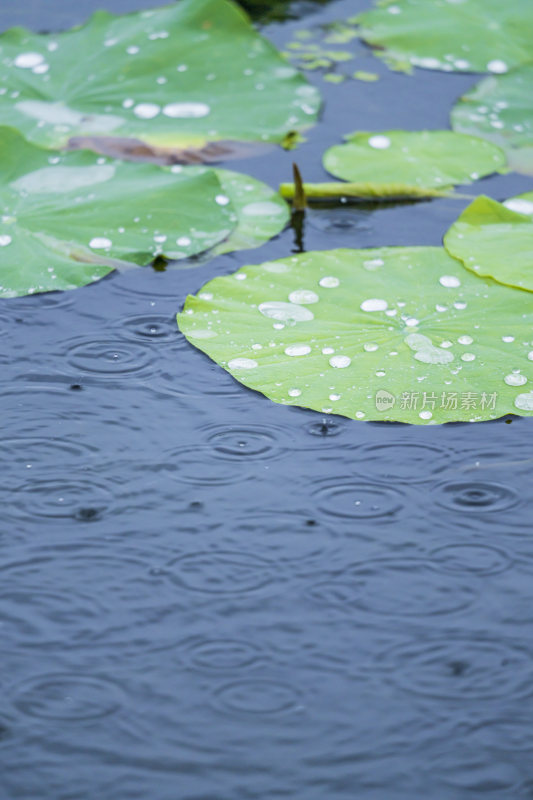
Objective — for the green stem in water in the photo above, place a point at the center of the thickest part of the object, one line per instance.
(361, 191)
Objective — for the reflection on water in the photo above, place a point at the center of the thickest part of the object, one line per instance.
(281, 10)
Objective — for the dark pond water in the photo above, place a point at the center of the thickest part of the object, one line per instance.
(206, 596)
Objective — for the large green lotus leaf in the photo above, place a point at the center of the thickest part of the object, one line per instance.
(416, 158)
(400, 333)
(175, 77)
(500, 109)
(494, 241)
(452, 35)
(69, 219)
(261, 212)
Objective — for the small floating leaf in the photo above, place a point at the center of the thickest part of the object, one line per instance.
(333, 77)
(399, 333)
(176, 77)
(452, 35)
(368, 77)
(340, 33)
(417, 158)
(500, 109)
(69, 219)
(495, 241)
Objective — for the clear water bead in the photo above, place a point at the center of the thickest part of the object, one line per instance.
(374, 304)
(340, 362)
(297, 350)
(146, 110)
(285, 312)
(304, 297)
(497, 66)
(515, 379)
(329, 282)
(449, 281)
(242, 363)
(379, 142)
(186, 110)
(100, 243)
(520, 205)
(28, 60)
(524, 402)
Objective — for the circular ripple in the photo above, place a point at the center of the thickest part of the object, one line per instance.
(45, 300)
(25, 451)
(196, 465)
(473, 559)
(147, 283)
(280, 536)
(467, 769)
(402, 461)
(68, 697)
(6, 325)
(79, 564)
(510, 734)
(197, 380)
(257, 442)
(221, 572)
(109, 359)
(219, 655)
(32, 615)
(57, 498)
(475, 497)
(325, 428)
(257, 697)
(349, 500)
(339, 220)
(150, 328)
(400, 588)
(464, 668)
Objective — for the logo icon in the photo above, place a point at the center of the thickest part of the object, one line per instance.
(384, 400)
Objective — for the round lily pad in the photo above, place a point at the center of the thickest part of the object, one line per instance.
(500, 109)
(176, 77)
(495, 241)
(69, 219)
(418, 158)
(399, 333)
(452, 35)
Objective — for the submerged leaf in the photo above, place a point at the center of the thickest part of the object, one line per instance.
(172, 78)
(500, 109)
(495, 241)
(452, 35)
(69, 219)
(317, 192)
(399, 333)
(413, 158)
